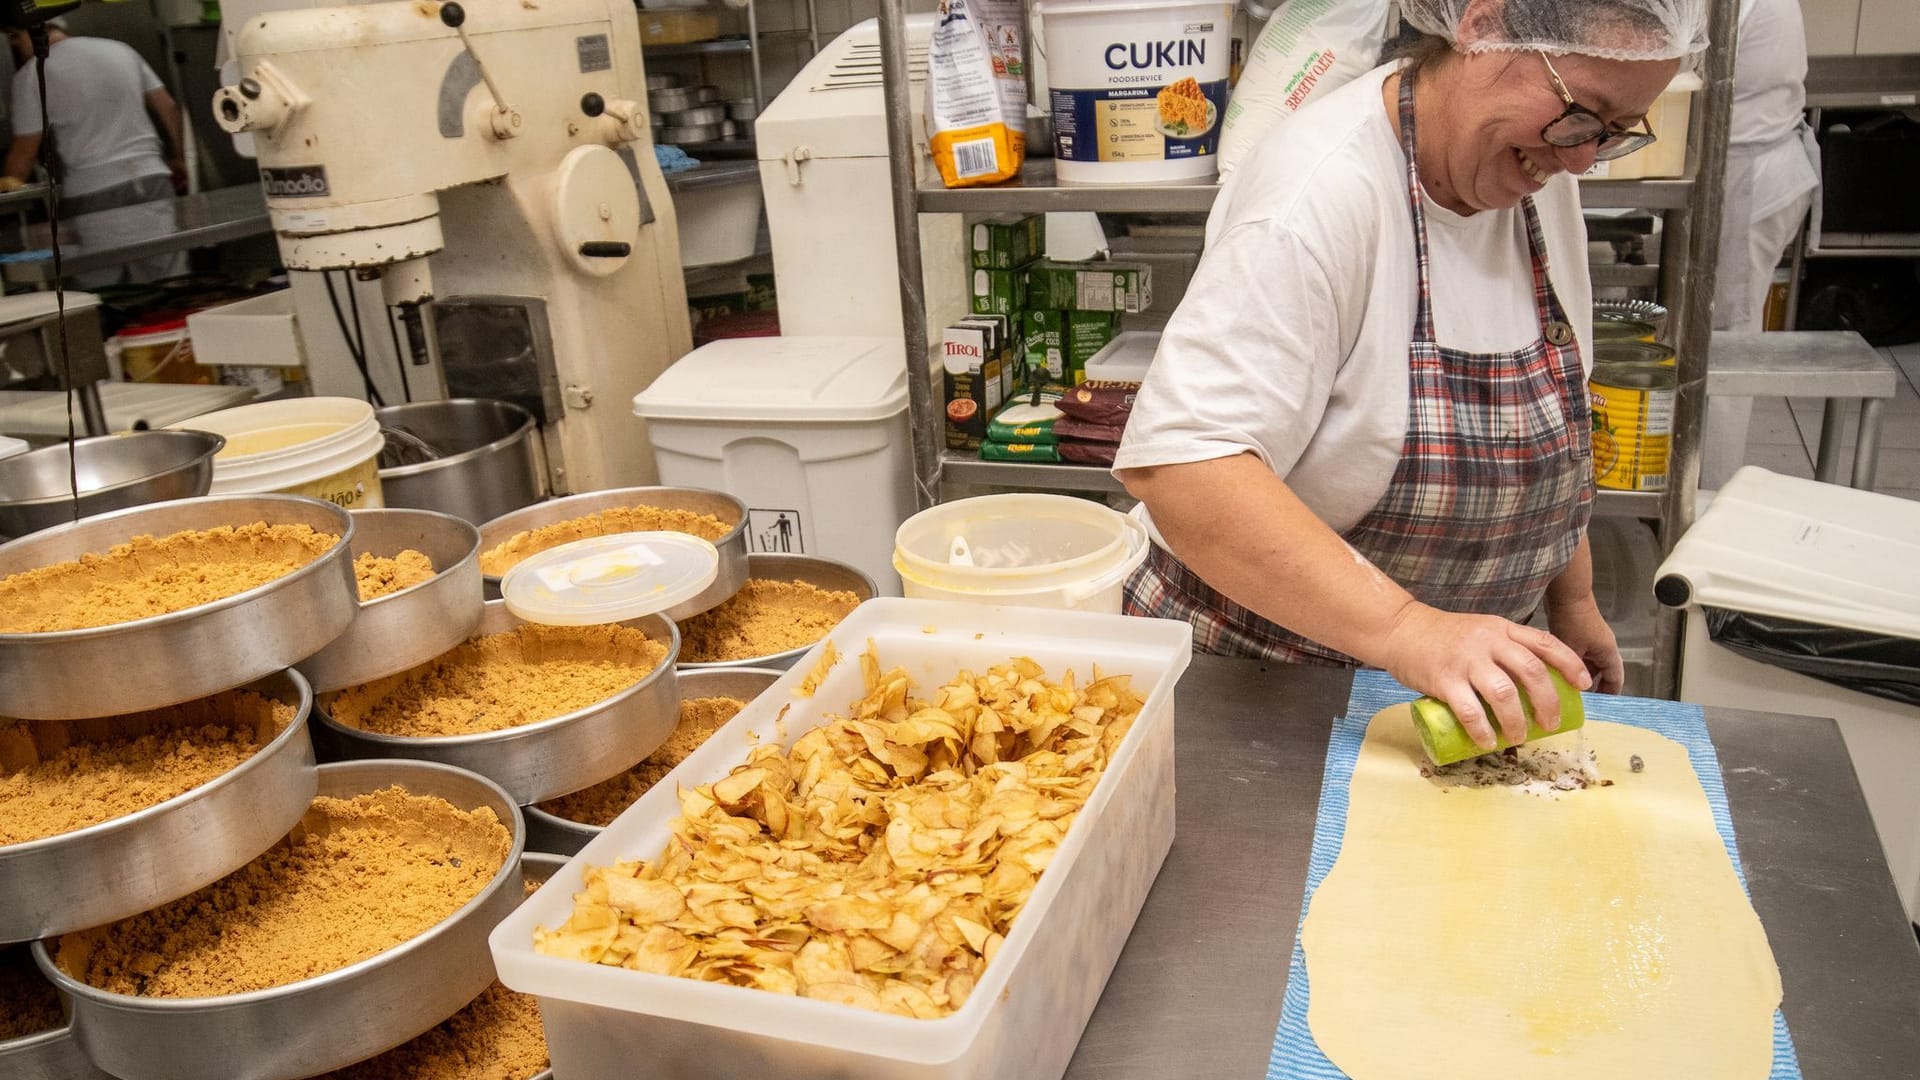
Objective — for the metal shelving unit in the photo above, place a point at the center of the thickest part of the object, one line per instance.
(748, 45)
(1690, 207)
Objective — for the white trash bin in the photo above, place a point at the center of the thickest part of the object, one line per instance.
(810, 432)
(1778, 546)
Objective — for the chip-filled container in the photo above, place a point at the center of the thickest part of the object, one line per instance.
(1025, 1016)
(831, 575)
(732, 546)
(552, 757)
(126, 865)
(327, 1021)
(412, 626)
(550, 832)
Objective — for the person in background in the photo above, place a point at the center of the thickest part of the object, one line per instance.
(1366, 436)
(1773, 170)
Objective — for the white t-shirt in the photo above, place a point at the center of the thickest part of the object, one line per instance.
(1769, 73)
(1292, 339)
(96, 88)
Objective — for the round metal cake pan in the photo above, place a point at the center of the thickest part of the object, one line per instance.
(329, 1021)
(127, 865)
(400, 630)
(815, 570)
(166, 659)
(551, 832)
(46, 1055)
(538, 761)
(732, 546)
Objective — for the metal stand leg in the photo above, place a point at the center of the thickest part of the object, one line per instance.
(93, 415)
(1866, 450)
(1833, 424)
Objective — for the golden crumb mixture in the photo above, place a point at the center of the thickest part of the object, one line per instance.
(764, 618)
(379, 576)
(500, 558)
(29, 1004)
(601, 803)
(145, 577)
(357, 877)
(526, 675)
(497, 1037)
(59, 776)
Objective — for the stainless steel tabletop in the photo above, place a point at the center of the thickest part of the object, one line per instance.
(1798, 363)
(1197, 992)
(158, 228)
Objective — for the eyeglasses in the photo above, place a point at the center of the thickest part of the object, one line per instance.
(1579, 125)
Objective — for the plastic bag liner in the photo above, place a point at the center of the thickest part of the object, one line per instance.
(1871, 663)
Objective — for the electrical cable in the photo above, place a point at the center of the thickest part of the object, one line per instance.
(340, 320)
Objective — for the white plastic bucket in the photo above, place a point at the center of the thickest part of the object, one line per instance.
(1047, 551)
(1109, 65)
(324, 448)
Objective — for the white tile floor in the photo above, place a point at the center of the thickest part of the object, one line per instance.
(1784, 434)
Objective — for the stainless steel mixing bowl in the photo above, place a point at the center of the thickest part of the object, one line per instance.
(167, 659)
(330, 1020)
(113, 472)
(538, 761)
(815, 570)
(130, 864)
(397, 631)
(489, 463)
(551, 832)
(732, 546)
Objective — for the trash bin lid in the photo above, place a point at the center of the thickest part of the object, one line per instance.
(607, 579)
(1800, 549)
(782, 378)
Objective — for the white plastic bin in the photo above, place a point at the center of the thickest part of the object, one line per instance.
(1818, 553)
(1025, 1017)
(1126, 358)
(1048, 551)
(811, 433)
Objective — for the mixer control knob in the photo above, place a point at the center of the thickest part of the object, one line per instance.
(593, 104)
(452, 15)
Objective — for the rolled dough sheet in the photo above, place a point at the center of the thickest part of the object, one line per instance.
(1494, 932)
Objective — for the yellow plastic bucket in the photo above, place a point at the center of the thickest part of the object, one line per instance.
(323, 448)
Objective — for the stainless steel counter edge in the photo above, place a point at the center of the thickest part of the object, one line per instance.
(1197, 992)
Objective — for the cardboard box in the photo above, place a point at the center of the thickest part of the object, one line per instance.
(1059, 343)
(1090, 286)
(1007, 243)
(973, 384)
(1003, 342)
(999, 292)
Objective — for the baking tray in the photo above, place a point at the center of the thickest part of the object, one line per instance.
(551, 832)
(47, 1055)
(815, 570)
(732, 547)
(1025, 1016)
(127, 865)
(323, 1023)
(538, 761)
(167, 659)
(397, 631)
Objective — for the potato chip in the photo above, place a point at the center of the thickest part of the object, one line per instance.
(880, 861)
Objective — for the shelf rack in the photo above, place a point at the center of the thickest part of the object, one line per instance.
(1690, 207)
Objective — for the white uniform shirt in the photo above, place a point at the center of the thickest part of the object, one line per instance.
(96, 88)
(1292, 339)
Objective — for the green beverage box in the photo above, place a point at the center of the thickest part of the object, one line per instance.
(1006, 242)
(1090, 286)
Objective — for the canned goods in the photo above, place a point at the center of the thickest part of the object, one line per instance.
(1610, 327)
(1632, 352)
(1632, 425)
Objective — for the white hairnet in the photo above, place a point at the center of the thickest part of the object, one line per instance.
(1610, 29)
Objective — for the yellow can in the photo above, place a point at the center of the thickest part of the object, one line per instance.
(1632, 425)
(1632, 352)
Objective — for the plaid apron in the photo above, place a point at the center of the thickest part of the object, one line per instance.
(1492, 492)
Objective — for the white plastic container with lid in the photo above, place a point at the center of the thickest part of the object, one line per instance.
(1049, 551)
(1125, 358)
(1137, 88)
(324, 448)
(1026, 1014)
(811, 433)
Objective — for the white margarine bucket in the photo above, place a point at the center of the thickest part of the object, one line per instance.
(1046, 551)
(324, 448)
(1137, 88)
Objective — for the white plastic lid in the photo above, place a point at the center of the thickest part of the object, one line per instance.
(781, 378)
(1125, 358)
(608, 579)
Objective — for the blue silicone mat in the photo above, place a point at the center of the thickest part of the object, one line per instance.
(1295, 1055)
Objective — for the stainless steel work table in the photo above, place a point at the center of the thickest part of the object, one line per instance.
(190, 221)
(1837, 365)
(1197, 992)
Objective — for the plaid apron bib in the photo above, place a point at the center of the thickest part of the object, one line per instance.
(1492, 493)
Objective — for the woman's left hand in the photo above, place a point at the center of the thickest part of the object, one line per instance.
(1585, 631)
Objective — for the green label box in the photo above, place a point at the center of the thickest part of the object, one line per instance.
(1090, 286)
(1005, 243)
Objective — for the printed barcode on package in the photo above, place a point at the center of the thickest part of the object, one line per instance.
(976, 158)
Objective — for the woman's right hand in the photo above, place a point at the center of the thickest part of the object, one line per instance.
(1452, 656)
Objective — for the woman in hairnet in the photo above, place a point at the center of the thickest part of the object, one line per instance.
(1366, 435)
